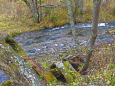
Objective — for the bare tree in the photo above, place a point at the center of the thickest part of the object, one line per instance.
(107, 1)
(77, 6)
(81, 6)
(33, 7)
(74, 33)
(40, 2)
(94, 34)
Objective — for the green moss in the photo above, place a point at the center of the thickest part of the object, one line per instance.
(10, 83)
(8, 64)
(7, 83)
(69, 75)
(112, 31)
(9, 40)
(4, 24)
(15, 34)
(46, 65)
(29, 64)
(13, 66)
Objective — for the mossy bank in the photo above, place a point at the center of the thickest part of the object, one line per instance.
(12, 63)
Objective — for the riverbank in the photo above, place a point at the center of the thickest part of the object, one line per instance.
(14, 24)
(44, 43)
(51, 45)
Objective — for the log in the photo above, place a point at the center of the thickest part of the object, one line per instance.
(14, 66)
(75, 61)
(47, 76)
(57, 73)
(52, 6)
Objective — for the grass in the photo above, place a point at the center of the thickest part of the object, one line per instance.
(100, 72)
(15, 21)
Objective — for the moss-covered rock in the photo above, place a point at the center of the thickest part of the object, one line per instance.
(8, 63)
(14, 66)
(7, 83)
(10, 83)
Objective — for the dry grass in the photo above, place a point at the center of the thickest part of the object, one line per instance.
(100, 72)
(102, 56)
(15, 17)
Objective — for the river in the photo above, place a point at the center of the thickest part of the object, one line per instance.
(57, 40)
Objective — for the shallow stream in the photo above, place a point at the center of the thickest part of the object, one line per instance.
(58, 40)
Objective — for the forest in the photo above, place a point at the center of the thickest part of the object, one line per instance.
(57, 42)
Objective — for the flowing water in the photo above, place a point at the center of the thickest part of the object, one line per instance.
(58, 40)
(3, 77)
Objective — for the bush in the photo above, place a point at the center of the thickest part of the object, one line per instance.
(53, 18)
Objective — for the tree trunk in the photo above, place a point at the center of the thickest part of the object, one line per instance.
(81, 6)
(33, 9)
(107, 2)
(40, 9)
(104, 2)
(70, 13)
(76, 8)
(94, 35)
(12, 63)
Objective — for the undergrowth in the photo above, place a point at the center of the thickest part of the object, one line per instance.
(100, 71)
(16, 18)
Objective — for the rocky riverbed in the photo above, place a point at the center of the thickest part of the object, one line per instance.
(3, 77)
(51, 42)
(59, 39)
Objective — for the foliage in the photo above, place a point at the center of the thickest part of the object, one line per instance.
(112, 31)
(29, 64)
(68, 71)
(46, 65)
(101, 73)
(7, 83)
(9, 40)
(53, 18)
(39, 0)
(47, 11)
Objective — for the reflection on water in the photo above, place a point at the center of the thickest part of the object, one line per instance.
(3, 77)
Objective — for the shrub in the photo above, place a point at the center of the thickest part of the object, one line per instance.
(53, 18)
